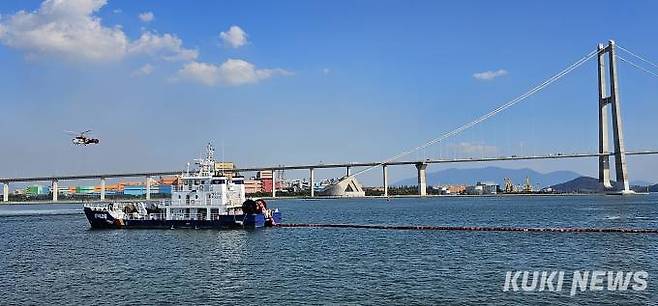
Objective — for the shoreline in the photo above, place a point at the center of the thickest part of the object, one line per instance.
(306, 198)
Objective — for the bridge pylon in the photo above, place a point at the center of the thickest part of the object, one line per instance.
(606, 102)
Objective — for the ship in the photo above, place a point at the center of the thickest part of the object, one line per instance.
(207, 198)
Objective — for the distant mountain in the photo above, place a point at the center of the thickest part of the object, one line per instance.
(641, 183)
(492, 174)
(583, 184)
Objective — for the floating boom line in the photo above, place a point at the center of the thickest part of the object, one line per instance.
(477, 228)
(492, 113)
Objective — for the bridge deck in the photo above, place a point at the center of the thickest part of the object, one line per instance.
(324, 166)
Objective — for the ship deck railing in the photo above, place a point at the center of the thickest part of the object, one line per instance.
(163, 216)
(123, 204)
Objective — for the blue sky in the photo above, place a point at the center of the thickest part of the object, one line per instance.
(294, 82)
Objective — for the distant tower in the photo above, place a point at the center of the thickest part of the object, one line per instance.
(617, 134)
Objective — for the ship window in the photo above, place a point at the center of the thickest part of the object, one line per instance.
(218, 182)
(196, 196)
(196, 182)
(240, 182)
(203, 182)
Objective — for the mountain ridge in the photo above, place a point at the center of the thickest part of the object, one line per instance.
(470, 176)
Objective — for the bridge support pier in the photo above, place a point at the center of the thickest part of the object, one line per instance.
(422, 179)
(312, 181)
(5, 192)
(148, 187)
(385, 178)
(274, 183)
(617, 133)
(55, 190)
(348, 171)
(102, 189)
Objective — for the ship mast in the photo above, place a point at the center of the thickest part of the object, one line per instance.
(207, 165)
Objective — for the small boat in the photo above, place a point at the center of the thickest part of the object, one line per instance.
(205, 199)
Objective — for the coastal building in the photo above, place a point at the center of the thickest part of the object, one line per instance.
(265, 177)
(253, 186)
(482, 189)
(137, 190)
(347, 186)
(140, 190)
(116, 188)
(225, 167)
(298, 185)
(172, 180)
(36, 190)
(85, 189)
(451, 189)
(64, 190)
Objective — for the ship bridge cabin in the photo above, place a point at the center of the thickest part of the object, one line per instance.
(202, 197)
(206, 194)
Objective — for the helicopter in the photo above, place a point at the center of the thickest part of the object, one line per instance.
(81, 139)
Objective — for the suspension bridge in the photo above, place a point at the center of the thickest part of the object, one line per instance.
(609, 109)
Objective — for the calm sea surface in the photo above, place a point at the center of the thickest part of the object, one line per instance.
(48, 255)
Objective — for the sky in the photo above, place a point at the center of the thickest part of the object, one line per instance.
(296, 82)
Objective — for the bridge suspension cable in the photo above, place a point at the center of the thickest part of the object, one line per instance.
(636, 66)
(490, 114)
(639, 57)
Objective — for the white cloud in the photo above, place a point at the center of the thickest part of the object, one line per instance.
(64, 28)
(146, 16)
(70, 28)
(490, 75)
(235, 37)
(473, 148)
(326, 71)
(117, 11)
(167, 46)
(142, 71)
(232, 72)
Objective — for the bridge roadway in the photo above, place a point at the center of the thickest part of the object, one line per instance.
(420, 166)
(323, 166)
